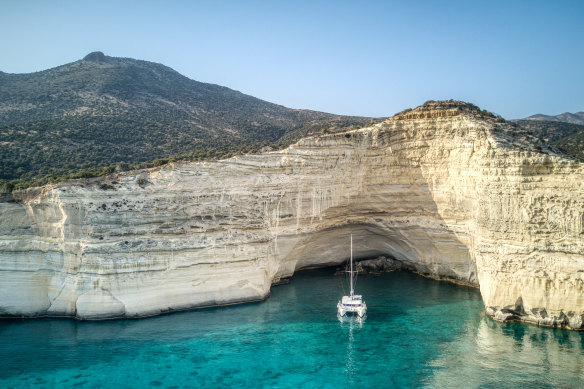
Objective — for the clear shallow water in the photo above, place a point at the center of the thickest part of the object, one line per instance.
(418, 333)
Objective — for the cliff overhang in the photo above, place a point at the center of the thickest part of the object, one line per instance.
(448, 189)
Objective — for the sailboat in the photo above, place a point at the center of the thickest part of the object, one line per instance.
(353, 303)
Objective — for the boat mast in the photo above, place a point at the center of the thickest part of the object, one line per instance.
(351, 265)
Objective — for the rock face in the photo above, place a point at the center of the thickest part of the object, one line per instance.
(444, 189)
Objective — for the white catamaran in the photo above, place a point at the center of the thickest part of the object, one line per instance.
(354, 302)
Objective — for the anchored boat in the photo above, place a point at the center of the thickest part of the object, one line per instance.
(353, 303)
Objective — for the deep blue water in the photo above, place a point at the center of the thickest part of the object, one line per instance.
(418, 333)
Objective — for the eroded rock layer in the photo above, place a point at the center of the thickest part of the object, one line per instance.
(443, 188)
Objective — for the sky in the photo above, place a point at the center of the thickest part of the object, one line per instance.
(369, 58)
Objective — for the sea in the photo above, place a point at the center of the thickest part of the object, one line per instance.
(417, 333)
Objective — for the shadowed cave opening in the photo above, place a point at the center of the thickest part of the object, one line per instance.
(411, 248)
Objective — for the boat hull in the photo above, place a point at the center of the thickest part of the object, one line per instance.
(359, 310)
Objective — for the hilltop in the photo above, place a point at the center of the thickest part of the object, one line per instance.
(100, 113)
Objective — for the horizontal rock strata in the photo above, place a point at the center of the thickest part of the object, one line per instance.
(443, 189)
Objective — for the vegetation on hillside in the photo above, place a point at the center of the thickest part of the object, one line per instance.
(96, 115)
(550, 131)
(456, 105)
(566, 137)
(572, 145)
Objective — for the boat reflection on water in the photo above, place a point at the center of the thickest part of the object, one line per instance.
(351, 323)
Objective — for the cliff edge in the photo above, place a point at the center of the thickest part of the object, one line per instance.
(445, 188)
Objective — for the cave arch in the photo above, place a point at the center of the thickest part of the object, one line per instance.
(414, 246)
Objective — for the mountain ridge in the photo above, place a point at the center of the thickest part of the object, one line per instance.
(101, 111)
(566, 117)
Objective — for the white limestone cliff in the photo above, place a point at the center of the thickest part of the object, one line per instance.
(444, 189)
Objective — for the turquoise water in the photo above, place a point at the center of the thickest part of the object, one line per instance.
(418, 333)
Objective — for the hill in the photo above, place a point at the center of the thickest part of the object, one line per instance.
(566, 117)
(550, 131)
(91, 116)
(566, 137)
(572, 144)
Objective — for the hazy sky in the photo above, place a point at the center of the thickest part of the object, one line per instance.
(373, 58)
